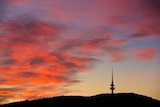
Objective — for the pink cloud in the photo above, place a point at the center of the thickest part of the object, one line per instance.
(146, 54)
(132, 17)
(49, 42)
(117, 58)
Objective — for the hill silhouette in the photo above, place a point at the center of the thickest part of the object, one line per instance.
(100, 100)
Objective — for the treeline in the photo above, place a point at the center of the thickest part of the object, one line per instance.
(101, 100)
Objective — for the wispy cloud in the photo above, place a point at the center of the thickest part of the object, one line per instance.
(146, 54)
(49, 42)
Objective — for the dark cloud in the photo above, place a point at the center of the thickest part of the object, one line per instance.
(7, 52)
(27, 75)
(69, 79)
(68, 64)
(73, 64)
(89, 43)
(90, 59)
(139, 35)
(154, 4)
(7, 61)
(5, 89)
(1, 80)
(28, 30)
(146, 31)
(3, 8)
(37, 61)
(71, 44)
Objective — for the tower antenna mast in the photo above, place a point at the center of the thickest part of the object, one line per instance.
(112, 84)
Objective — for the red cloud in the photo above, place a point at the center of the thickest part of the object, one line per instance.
(33, 57)
(146, 54)
(139, 17)
(15, 93)
(47, 53)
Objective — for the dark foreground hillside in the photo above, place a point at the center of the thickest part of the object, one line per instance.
(101, 100)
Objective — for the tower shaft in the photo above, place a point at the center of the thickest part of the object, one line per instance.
(112, 84)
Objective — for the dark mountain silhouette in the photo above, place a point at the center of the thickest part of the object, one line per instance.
(100, 100)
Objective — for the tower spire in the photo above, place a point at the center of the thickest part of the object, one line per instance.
(112, 84)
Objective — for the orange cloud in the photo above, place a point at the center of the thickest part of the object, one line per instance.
(44, 44)
(21, 92)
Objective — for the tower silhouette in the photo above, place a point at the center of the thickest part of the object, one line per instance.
(112, 84)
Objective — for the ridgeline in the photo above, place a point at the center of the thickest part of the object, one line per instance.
(100, 100)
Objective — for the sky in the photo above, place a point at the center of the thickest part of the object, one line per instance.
(68, 47)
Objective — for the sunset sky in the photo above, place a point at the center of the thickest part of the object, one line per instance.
(68, 47)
